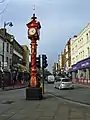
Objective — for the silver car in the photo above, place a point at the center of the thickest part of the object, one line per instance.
(62, 83)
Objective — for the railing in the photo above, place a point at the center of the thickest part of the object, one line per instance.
(81, 81)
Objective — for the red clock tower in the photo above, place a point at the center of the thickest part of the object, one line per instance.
(33, 91)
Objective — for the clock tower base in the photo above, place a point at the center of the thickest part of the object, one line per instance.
(34, 93)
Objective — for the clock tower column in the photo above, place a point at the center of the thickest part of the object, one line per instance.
(33, 91)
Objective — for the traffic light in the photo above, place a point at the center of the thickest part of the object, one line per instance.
(44, 61)
(38, 62)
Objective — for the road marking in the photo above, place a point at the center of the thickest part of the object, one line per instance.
(70, 101)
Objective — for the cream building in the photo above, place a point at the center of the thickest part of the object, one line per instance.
(67, 56)
(80, 54)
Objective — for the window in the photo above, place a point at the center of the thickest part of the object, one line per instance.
(76, 47)
(10, 61)
(88, 51)
(87, 36)
(76, 58)
(66, 80)
(7, 60)
(83, 54)
(72, 50)
(11, 49)
(3, 46)
(7, 47)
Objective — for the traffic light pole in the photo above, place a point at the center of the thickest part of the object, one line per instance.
(43, 79)
(44, 65)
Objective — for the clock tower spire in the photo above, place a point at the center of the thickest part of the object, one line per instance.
(34, 17)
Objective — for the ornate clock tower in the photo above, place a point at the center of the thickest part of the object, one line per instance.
(33, 91)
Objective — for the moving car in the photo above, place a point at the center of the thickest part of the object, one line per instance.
(63, 83)
(50, 79)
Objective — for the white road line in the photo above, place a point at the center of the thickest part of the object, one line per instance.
(70, 101)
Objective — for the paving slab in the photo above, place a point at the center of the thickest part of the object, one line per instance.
(50, 108)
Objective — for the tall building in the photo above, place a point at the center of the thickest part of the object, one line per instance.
(6, 52)
(26, 53)
(67, 56)
(80, 54)
(11, 57)
(62, 61)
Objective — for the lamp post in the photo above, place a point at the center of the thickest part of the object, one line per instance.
(11, 64)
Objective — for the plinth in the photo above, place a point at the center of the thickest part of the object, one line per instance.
(34, 93)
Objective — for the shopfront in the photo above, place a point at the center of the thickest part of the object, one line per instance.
(81, 69)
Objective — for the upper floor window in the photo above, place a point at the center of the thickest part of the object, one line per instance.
(11, 49)
(7, 60)
(72, 50)
(10, 61)
(87, 36)
(83, 54)
(76, 47)
(7, 47)
(88, 51)
(76, 58)
(3, 46)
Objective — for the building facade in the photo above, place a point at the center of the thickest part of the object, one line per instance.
(11, 58)
(1, 50)
(67, 56)
(61, 61)
(80, 54)
(26, 53)
(17, 57)
(6, 50)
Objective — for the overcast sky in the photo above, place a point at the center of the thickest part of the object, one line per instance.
(60, 20)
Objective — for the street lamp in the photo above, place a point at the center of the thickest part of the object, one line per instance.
(8, 23)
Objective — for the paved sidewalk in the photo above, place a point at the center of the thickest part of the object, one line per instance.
(13, 88)
(83, 85)
(50, 108)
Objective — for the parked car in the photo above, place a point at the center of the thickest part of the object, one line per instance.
(62, 83)
(50, 79)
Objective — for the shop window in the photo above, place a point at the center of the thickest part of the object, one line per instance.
(89, 74)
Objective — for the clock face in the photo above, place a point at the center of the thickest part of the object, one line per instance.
(32, 31)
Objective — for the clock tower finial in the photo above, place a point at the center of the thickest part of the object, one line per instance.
(34, 9)
(34, 17)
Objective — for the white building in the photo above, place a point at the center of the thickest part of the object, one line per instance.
(5, 52)
(1, 51)
(80, 54)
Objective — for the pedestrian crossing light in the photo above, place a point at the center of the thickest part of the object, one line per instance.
(44, 61)
(38, 62)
